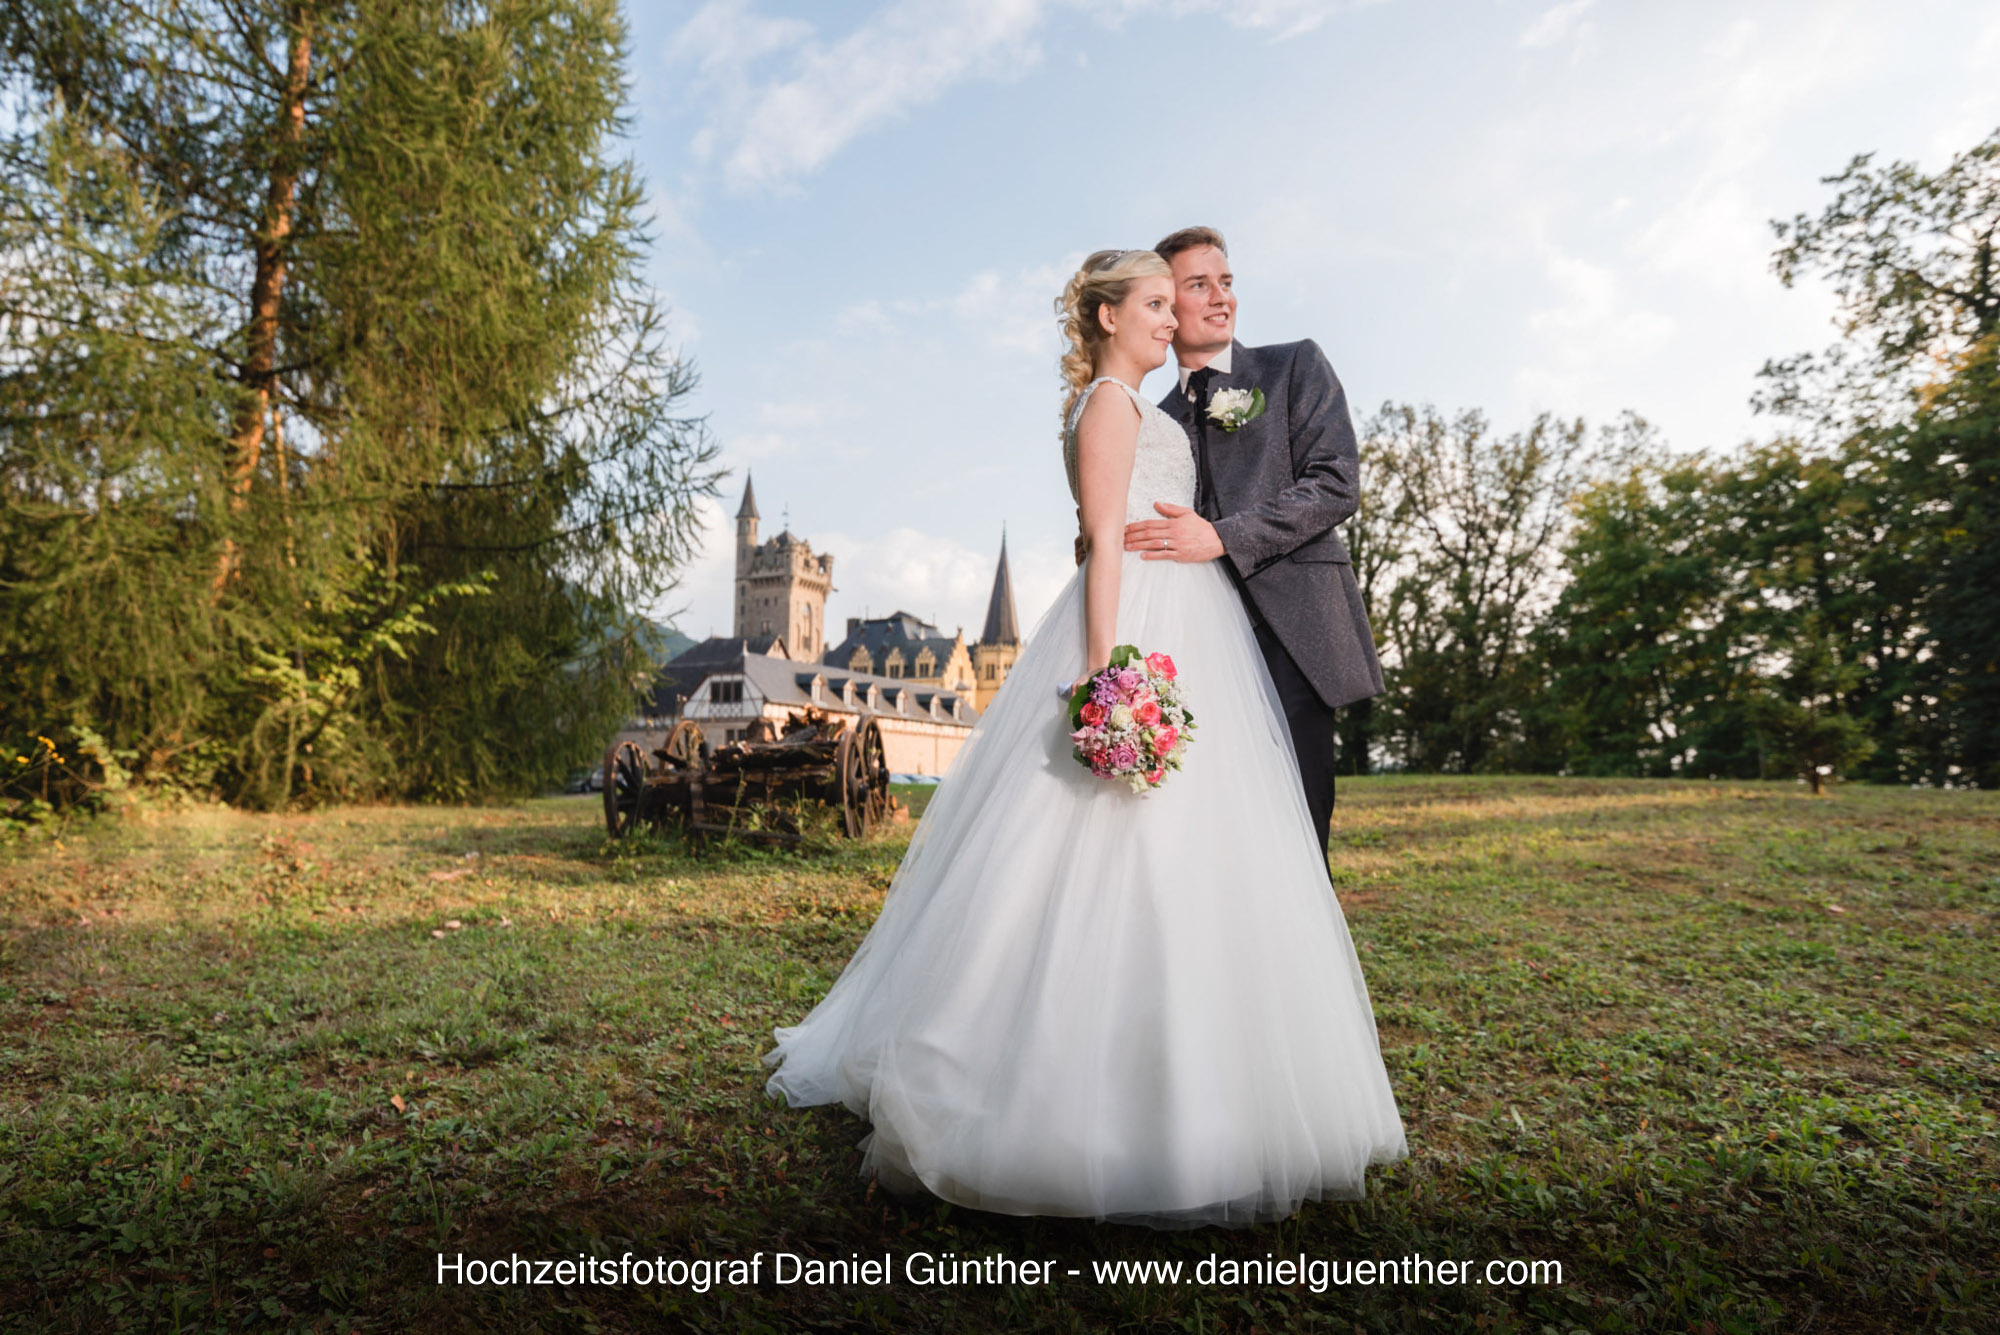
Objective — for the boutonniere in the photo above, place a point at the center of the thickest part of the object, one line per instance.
(1231, 408)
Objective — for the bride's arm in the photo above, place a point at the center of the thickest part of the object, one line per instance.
(1106, 438)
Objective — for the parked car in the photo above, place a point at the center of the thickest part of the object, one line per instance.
(589, 780)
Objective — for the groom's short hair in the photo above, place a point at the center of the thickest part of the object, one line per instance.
(1173, 243)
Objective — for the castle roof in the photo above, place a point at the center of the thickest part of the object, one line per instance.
(899, 630)
(675, 682)
(1001, 627)
(748, 510)
(780, 682)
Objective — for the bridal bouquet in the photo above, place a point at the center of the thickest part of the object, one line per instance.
(1128, 721)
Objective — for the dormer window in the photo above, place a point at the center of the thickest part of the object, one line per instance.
(859, 661)
(925, 662)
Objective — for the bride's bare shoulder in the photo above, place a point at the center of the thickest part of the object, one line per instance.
(1110, 414)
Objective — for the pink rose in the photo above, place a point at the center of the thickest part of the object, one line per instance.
(1094, 714)
(1161, 664)
(1124, 756)
(1147, 713)
(1164, 739)
(1131, 682)
(1153, 776)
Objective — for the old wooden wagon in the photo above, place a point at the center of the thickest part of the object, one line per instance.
(751, 789)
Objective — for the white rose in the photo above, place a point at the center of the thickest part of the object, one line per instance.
(1229, 403)
(1121, 716)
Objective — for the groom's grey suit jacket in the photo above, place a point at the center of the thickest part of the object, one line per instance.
(1282, 482)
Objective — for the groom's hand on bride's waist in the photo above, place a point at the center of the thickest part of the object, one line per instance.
(1182, 535)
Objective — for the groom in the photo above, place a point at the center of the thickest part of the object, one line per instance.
(1269, 493)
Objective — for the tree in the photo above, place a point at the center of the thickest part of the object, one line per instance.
(1800, 720)
(1464, 535)
(1912, 401)
(324, 329)
(1644, 677)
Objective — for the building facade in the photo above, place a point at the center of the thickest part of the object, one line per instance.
(922, 728)
(905, 647)
(781, 585)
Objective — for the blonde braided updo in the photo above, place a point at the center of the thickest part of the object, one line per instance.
(1104, 280)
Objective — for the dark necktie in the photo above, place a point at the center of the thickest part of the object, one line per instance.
(1204, 483)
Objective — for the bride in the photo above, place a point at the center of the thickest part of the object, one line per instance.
(1083, 1001)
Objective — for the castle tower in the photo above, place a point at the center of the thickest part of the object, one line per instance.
(1000, 642)
(781, 586)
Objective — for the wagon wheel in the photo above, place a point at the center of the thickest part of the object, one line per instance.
(684, 747)
(625, 772)
(849, 784)
(861, 771)
(875, 772)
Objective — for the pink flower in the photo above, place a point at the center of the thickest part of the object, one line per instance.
(1094, 714)
(1161, 664)
(1164, 739)
(1147, 713)
(1124, 756)
(1130, 682)
(1153, 776)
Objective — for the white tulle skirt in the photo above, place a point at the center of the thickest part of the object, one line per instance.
(1082, 1001)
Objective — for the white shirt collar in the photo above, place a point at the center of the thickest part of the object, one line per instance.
(1219, 363)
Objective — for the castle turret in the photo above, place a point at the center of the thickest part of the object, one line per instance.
(1001, 627)
(1000, 641)
(746, 552)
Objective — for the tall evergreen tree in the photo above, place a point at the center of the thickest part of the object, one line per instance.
(325, 327)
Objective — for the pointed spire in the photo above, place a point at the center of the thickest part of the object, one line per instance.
(748, 510)
(1001, 627)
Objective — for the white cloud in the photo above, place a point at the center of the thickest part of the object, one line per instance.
(901, 57)
(941, 579)
(1593, 332)
(770, 128)
(907, 570)
(1008, 313)
(1555, 23)
(1288, 18)
(701, 605)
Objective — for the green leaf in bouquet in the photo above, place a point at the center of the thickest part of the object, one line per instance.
(1124, 655)
(1079, 696)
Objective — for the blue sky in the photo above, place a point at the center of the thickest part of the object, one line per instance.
(863, 213)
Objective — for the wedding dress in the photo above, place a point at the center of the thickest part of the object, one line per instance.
(1082, 1001)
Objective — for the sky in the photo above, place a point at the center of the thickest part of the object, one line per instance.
(863, 214)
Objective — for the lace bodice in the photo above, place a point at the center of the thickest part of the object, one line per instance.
(1162, 466)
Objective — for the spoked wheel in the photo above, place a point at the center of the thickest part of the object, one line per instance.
(861, 771)
(685, 748)
(874, 774)
(625, 771)
(848, 785)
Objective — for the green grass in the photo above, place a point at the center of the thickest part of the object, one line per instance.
(1731, 1055)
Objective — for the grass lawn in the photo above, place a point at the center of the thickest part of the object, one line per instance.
(1727, 1053)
